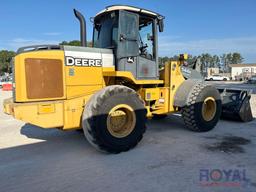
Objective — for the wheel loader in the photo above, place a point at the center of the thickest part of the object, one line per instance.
(111, 88)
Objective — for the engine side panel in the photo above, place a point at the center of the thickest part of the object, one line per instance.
(39, 76)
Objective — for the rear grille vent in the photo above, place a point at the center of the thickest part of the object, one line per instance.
(44, 78)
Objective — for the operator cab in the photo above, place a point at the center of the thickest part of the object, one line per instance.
(132, 33)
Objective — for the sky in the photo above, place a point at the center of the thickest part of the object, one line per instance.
(194, 27)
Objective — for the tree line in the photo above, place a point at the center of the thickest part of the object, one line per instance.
(5, 61)
(207, 60)
(217, 61)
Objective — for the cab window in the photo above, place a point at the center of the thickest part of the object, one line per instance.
(105, 31)
(146, 38)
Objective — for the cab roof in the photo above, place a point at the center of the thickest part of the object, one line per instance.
(130, 8)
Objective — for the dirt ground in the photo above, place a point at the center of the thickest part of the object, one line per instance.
(169, 158)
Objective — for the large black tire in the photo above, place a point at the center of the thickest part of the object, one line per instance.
(96, 113)
(192, 113)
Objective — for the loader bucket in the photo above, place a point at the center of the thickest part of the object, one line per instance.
(236, 104)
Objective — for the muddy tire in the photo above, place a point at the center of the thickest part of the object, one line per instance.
(114, 119)
(203, 108)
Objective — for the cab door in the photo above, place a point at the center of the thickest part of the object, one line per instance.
(128, 35)
(147, 67)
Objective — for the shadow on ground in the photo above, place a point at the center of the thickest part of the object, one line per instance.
(55, 141)
(168, 155)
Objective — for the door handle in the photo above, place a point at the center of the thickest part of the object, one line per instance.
(123, 38)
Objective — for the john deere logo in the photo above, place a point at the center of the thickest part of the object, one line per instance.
(83, 62)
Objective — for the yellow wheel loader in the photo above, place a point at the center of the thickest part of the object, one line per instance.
(110, 89)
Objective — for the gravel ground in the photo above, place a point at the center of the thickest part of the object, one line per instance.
(169, 158)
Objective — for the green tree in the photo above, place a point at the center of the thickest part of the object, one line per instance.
(5, 61)
(224, 62)
(71, 43)
(229, 58)
(206, 60)
(75, 43)
(191, 59)
(216, 61)
(237, 58)
(162, 60)
(175, 58)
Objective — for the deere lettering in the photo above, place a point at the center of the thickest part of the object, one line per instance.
(83, 62)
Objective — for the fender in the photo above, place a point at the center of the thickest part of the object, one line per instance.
(182, 94)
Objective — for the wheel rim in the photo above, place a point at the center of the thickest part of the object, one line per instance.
(121, 121)
(209, 108)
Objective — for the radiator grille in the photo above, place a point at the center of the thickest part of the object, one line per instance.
(44, 78)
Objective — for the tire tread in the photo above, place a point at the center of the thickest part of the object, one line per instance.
(92, 107)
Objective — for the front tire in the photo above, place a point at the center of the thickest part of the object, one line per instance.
(203, 109)
(114, 119)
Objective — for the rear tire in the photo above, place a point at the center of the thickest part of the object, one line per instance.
(114, 119)
(203, 110)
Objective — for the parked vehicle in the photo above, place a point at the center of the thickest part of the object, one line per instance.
(252, 80)
(217, 78)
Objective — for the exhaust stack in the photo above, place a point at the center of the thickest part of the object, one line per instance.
(81, 19)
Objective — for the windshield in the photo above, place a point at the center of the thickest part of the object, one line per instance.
(105, 31)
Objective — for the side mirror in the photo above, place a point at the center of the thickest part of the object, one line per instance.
(97, 26)
(161, 25)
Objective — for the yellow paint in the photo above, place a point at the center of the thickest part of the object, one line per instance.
(209, 108)
(162, 104)
(173, 78)
(149, 113)
(73, 112)
(108, 69)
(65, 114)
(128, 75)
(83, 76)
(176, 79)
(46, 108)
(150, 94)
(183, 56)
(83, 80)
(74, 91)
(121, 120)
(30, 113)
